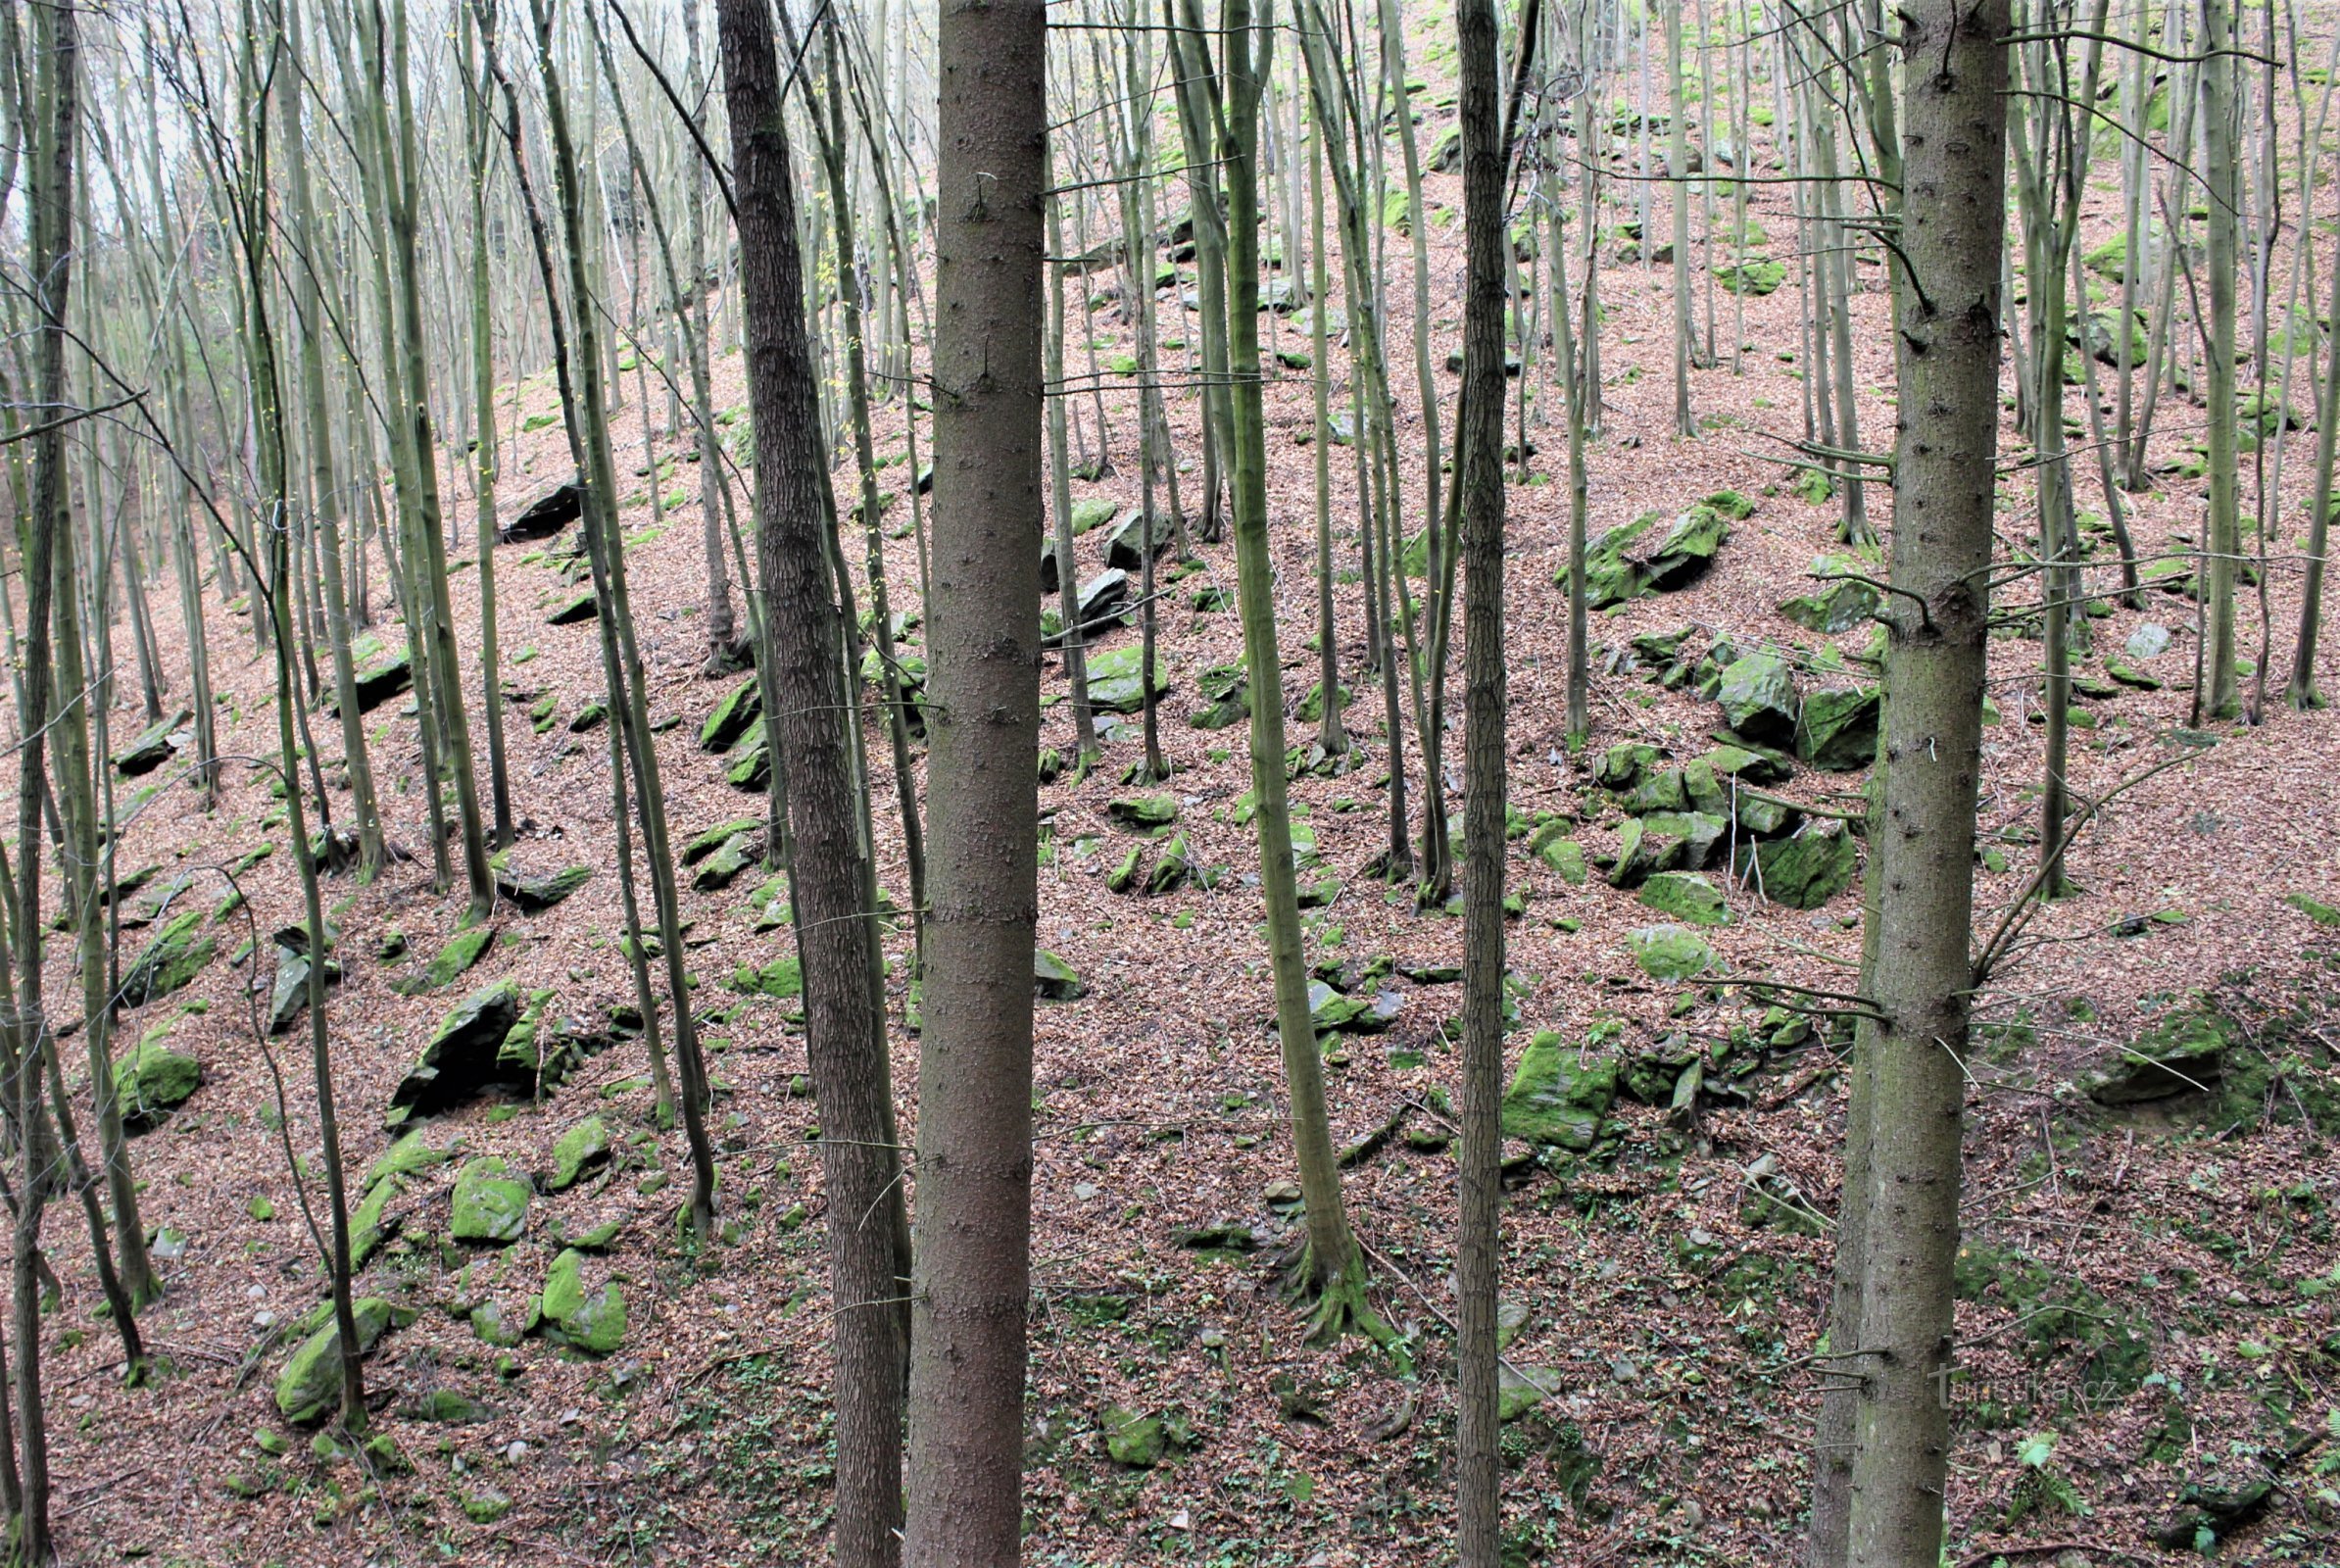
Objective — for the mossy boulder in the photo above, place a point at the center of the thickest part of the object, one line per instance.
(749, 768)
(410, 1156)
(1113, 680)
(715, 838)
(2184, 1053)
(370, 1222)
(1611, 575)
(1635, 559)
(593, 1322)
(1758, 698)
(1803, 872)
(1837, 727)
(782, 979)
(152, 1081)
(448, 1407)
(578, 1153)
(1565, 857)
(2058, 1318)
(581, 606)
(738, 711)
(1686, 548)
(380, 673)
(152, 746)
(1125, 544)
(309, 1388)
(1670, 954)
(465, 1056)
(1133, 1440)
(1836, 602)
(1752, 278)
(729, 861)
(1056, 979)
(1557, 1098)
(174, 956)
(1144, 811)
(452, 961)
(533, 895)
(491, 1204)
(1687, 896)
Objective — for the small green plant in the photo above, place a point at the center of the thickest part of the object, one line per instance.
(2040, 1488)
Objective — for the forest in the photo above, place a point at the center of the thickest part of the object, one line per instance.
(1280, 785)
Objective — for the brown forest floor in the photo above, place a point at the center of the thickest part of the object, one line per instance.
(1680, 1424)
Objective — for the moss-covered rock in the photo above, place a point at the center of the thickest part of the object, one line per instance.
(1838, 726)
(464, 1056)
(728, 862)
(309, 1388)
(174, 956)
(151, 747)
(1056, 979)
(1670, 954)
(1146, 812)
(735, 712)
(1754, 277)
(1686, 896)
(150, 1081)
(1132, 1439)
(1557, 1098)
(533, 895)
(1758, 697)
(1113, 679)
(452, 961)
(1803, 872)
(1838, 603)
(581, 606)
(410, 1156)
(782, 979)
(591, 1322)
(580, 1151)
(491, 1204)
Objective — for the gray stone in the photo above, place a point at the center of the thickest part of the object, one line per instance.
(1758, 697)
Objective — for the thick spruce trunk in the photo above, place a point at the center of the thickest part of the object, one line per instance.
(974, 1169)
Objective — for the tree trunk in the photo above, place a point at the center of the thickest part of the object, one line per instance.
(2220, 697)
(1947, 448)
(1479, 479)
(974, 1216)
(850, 1071)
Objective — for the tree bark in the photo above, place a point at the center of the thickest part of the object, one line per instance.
(1479, 458)
(1947, 447)
(974, 1187)
(849, 1069)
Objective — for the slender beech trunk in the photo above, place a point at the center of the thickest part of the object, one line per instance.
(1332, 1271)
(849, 1069)
(1479, 459)
(1678, 177)
(85, 868)
(308, 300)
(1947, 448)
(2301, 690)
(1069, 572)
(1329, 736)
(476, 132)
(2220, 697)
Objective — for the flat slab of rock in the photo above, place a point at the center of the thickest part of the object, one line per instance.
(153, 746)
(546, 514)
(465, 1057)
